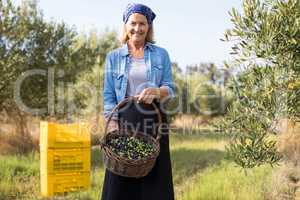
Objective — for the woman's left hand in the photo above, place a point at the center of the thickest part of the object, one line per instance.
(148, 95)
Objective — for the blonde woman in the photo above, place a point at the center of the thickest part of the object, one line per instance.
(141, 69)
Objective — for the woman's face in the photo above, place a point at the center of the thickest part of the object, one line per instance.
(137, 28)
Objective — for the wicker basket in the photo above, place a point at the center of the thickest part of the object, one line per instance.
(128, 167)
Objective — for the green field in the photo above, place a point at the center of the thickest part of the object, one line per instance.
(200, 171)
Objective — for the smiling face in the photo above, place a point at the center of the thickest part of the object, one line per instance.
(137, 28)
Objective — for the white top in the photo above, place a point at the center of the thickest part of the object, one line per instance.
(137, 79)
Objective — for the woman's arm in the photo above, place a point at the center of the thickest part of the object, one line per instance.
(109, 95)
(167, 78)
(166, 89)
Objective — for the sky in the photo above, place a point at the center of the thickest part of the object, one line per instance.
(190, 30)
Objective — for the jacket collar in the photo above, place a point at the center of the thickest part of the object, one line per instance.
(125, 52)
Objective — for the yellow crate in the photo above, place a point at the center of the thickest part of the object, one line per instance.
(65, 160)
(55, 135)
(60, 184)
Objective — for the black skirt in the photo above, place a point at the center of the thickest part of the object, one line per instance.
(158, 184)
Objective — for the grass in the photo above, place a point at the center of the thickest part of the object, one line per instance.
(192, 153)
(18, 176)
(200, 171)
(227, 182)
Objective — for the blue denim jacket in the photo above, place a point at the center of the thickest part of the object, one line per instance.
(117, 69)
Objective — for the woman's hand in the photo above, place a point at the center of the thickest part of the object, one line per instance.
(148, 95)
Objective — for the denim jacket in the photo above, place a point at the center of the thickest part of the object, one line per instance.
(158, 71)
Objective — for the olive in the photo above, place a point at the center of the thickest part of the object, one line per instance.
(131, 147)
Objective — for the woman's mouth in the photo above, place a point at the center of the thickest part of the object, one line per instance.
(138, 34)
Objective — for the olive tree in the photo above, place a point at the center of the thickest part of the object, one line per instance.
(266, 37)
(36, 58)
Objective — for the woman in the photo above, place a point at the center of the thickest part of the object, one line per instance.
(143, 70)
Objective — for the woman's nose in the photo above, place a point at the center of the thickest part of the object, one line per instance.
(137, 28)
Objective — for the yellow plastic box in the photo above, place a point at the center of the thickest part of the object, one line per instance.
(61, 184)
(65, 157)
(65, 160)
(55, 135)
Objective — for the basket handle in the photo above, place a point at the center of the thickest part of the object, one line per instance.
(128, 99)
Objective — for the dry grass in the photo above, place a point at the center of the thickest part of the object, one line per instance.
(16, 144)
(285, 184)
(13, 142)
(97, 127)
(191, 121)
(283, 125)
(289, 143)
(286, 180)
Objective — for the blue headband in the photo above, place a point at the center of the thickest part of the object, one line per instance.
(138, 8)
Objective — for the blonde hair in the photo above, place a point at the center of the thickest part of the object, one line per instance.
(149, 37)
